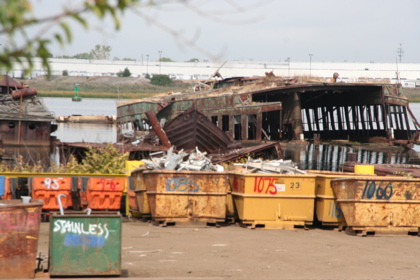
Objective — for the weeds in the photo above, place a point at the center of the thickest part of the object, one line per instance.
(107, 160)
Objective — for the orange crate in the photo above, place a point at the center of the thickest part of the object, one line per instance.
(48, 189)
(102, 193)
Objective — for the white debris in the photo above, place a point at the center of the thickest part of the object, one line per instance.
(192, 161)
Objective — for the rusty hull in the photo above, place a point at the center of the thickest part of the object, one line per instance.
(186, 196)
(309, 109)
(19, 234)
(193, 129)
(379, 204)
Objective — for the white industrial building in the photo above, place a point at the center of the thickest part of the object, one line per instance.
(407, 73)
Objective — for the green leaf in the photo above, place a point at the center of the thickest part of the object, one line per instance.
(59, 39)
(81, 20)
(66, 29)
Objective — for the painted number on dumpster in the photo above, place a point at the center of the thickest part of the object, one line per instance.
(112, 185)
(294, 185)
(334, 210)
(181, 184)
(51, 184)
(82, 234)
(377, 192)
(267, 186)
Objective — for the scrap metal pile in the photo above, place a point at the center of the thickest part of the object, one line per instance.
(181, 161)
(200, 161)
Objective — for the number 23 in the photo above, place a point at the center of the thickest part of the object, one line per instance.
(294, 185)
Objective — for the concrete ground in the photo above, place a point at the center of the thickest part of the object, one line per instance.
(234, 252)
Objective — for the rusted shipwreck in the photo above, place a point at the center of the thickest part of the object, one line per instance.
(270, 108)
(24, 118)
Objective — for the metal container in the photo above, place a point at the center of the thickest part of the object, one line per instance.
(187, 196)
(141, 195)
(379, 204)
(274, 200)
(48, 188)
(132, 205)
(327, 210)
(85, 245)
(19, 234)
(326, 207)
(102, 193)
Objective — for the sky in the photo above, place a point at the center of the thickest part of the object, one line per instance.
(259, 30)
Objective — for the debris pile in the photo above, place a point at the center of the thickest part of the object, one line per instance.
(181, 161)
(270, 166)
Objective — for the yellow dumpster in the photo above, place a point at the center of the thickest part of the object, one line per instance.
(131, 201)
(274, 200)
(186, 196)
(327, 209)
(140, 191)
(231, 215)
(379, 204)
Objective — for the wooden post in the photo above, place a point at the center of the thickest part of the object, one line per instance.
(297, 124)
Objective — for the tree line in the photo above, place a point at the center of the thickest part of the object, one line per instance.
(102, 52)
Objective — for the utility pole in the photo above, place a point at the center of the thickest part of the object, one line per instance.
(400, 52)
(160, 61)
(288, 62)
(147, 64)
(310, 63)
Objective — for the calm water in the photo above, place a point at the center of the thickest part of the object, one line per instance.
(323, 157)
(76, 132)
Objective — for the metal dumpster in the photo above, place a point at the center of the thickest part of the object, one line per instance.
(85, 245)
(101, 193)
(141, 195)
(48, 188)
(19, 234)
(132, 204)
(327, 209)
(186, 196)
(274, 200)
(379, 204)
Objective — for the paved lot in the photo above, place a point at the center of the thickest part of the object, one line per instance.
(233, 252)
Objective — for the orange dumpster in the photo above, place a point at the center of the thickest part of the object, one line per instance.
(101, 193)
(48, 188)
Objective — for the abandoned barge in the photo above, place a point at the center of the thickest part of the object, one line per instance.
(24, 118)
(270, 108)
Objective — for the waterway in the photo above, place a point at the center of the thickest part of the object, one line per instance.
(322, 157)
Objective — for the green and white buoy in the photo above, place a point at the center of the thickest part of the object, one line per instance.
(76, 95)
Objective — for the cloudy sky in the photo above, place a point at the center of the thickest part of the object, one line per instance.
(331, 31)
